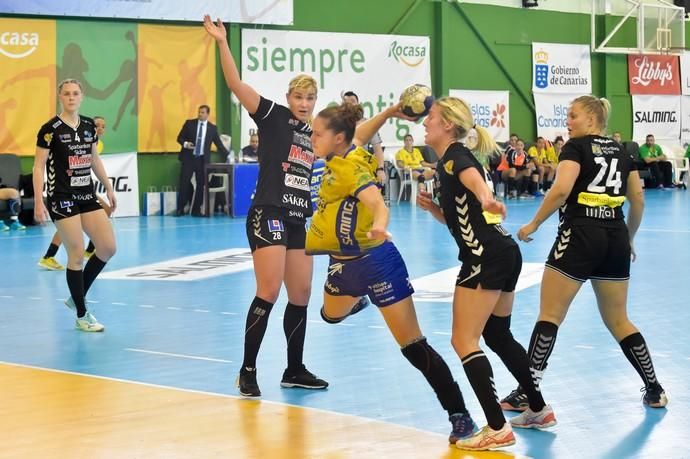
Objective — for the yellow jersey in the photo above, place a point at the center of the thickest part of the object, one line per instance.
(410, 160)
(545, 156)
(341, 222)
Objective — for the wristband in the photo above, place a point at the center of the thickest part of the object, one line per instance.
(380, 169)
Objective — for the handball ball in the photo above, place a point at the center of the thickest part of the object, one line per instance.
(416, 100)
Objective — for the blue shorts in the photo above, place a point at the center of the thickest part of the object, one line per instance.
(380, 273)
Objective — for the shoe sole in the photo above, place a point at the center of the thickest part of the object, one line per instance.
(88, 330)
(535, 426)
(508, 407)
(246, 394)
(48, 268)
(301, 386)
(488, 447)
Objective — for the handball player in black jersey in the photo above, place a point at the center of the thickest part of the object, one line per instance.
(491, 265)
(277, 217)
(67, 152)
(595, 176)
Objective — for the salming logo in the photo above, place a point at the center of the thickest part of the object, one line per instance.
(562, 244)
(467, 233)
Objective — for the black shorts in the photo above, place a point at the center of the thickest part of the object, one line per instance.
(500, 272)
(265, 230)
(64, 208)
(591, 252)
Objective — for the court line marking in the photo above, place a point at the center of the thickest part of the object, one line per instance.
(181, 356)
(117, 303)
(441, 333)
(584, 346)
(217, 394)
(35, 298)
(149, 306)
(174, 308)
(228, 313)
(201, 310)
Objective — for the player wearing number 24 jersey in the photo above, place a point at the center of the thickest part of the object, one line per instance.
(595, 177)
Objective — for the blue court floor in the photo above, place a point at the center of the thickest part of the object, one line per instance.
(180, 324)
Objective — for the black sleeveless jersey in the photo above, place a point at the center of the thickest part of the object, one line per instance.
(285, 162)
(69, 159)
(477, 233)
(599, 191)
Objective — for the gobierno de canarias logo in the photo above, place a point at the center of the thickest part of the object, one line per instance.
(541, 69)
(410, 55)
(18, 45)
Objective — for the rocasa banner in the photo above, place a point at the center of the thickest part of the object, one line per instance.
(27, 86)
(552, 114)
(652, 74)
(561, 68)
(247, 11)
(656, 115)
(376, 67)
(490, 110)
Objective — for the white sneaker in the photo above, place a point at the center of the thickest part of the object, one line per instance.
(488, 438)
(89, 323)
(528, 419)
(69, 302)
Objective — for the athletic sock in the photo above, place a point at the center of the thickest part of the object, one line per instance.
(52, 250)
(481, 378)
(635, 349)
(75, 283)
(254, 330)
(295, 327)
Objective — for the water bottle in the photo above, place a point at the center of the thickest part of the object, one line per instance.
(239, 156)
(231, 157)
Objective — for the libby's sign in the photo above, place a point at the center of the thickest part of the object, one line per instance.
(651, 74)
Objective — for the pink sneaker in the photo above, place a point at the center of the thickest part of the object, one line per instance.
(528, 419)
(488, 438)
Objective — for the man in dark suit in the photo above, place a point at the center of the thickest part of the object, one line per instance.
(196, 137)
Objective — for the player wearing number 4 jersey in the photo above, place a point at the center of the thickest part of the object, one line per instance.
(595, 176)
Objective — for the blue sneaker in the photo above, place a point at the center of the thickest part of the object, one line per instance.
(17, 226)
(463, 427)
(3, 227)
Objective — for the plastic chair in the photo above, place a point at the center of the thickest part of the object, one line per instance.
(679, 163)
(213, 190)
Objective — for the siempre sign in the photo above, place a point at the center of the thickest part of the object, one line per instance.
(650, 74)
(561, 68)
(490, 110)
(656, 115)
(376, 67)
(17, 45)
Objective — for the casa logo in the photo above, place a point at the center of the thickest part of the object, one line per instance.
(18, 45)
(498, 116)
(88, 136)
(541, 69)
(410, 55)
(294, 181)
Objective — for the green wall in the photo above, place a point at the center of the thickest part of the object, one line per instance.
(473, 47)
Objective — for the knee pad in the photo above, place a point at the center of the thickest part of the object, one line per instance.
(15, 206)
(497, 332)
(330, 320)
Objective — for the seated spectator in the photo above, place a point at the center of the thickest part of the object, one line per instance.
(249, 153)
(519, 169)
(14, 203)
(409, 157)
(617, 137)
(544, 170)
(660, 168)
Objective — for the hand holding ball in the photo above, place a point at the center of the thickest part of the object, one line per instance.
(416, 100)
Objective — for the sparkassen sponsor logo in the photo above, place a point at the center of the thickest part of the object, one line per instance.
(410, 55)
(18, 45)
